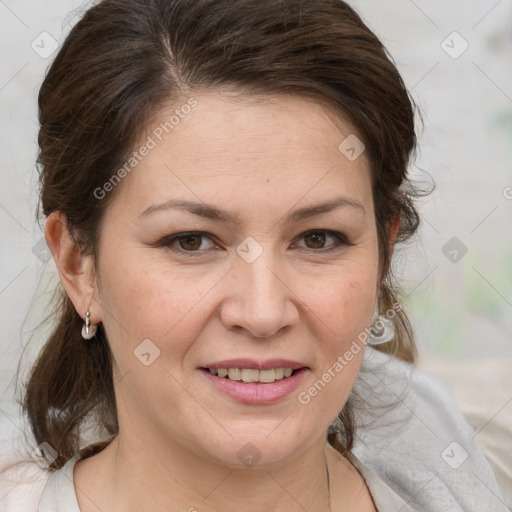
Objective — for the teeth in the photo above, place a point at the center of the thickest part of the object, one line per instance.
(279, 372)
(267, 375)
(250, 375)
(235, 373)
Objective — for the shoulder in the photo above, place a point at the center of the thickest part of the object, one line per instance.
(412, 435)
(384, 497)
(25, 486)
(22, 482)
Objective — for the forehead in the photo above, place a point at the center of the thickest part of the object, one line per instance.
(256, 149)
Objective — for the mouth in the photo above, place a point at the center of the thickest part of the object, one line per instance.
(252, 375)
(254, 386)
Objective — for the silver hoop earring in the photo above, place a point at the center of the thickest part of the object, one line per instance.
(88, 330)
(381, 331)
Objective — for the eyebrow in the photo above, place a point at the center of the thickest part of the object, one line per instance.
(213, 213)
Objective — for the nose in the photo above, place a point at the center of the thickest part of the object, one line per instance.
(259, 298)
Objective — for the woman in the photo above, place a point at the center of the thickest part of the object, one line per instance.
(223, 184)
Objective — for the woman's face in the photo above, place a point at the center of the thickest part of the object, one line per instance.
(253, 290)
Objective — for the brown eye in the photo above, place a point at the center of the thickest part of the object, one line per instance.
(317, 240)
(190, 242)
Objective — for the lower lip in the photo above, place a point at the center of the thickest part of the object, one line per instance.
(256, 392)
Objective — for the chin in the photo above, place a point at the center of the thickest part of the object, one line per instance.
(261, 450)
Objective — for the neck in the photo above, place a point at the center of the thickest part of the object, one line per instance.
(181, 480)
(300, 484)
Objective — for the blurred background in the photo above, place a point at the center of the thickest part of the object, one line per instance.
(456, 60)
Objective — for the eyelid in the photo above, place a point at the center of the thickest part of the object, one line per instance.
(341, 238)
(168, 240)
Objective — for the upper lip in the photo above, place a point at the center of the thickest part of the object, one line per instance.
(253, 364)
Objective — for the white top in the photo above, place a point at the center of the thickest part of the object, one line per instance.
(417, 456)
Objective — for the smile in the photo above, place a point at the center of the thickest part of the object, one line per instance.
(251, 386)
(248, 375)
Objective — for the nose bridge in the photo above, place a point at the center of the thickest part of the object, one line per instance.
(256, 265)
(261, 278)
(263, 298)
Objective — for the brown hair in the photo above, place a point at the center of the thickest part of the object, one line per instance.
(125, 60)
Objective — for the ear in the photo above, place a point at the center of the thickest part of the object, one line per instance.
(76, 270)
(393, 232)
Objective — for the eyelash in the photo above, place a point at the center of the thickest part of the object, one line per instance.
(342, 240)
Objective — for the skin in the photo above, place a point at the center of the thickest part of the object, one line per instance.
(179, 437)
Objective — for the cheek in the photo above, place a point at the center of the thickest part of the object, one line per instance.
(340, 353)
(344, 302)
(344, 308)
(166, 307)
